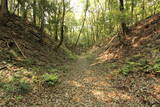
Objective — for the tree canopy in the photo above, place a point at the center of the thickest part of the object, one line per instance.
(101, 19)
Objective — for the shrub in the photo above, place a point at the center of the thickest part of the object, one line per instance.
(50, 79)
(156, 66)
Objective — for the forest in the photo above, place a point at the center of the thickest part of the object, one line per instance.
(79, 53)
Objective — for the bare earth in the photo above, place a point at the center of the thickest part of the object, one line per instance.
(86, 85)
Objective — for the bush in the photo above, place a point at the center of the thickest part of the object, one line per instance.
(50, 79)
(156, 66)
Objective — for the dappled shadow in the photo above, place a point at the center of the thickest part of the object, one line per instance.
(143, 89)
(141, 34)
(92, 89)
(90, 85)
(83, 86)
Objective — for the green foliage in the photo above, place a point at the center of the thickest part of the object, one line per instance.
(24, 87)
(109, 66)
(29, 61)
(156, 66)
(103, 16)
(43, 69)
(64, 68)
(126, 69)
(19, 98)
(69, 54)
(132, 66)
(50, 79)
(18, 85)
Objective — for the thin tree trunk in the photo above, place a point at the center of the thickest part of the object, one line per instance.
(143, 9)
(34, 11)
(62, 25)
(57, 15)
(123, 24)
(82, 23)
(42, 26)
(132, 10)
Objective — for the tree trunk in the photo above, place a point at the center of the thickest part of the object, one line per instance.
(143, 9)
(123, 24)
(132, 10)
(87, 3)
(57, 16)
(4, 8)
(34, 11)
(42, 26)
(62, 25)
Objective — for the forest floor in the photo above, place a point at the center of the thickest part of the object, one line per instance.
(112, 75)
(89, 84)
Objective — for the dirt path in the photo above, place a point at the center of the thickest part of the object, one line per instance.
(86, 86)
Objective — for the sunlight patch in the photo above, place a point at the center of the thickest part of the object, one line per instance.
(102, 84)
(157, 88)
(90, 79)
(75, 83)
(110, 96)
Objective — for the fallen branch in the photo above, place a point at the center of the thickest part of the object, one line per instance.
(111, 41)
(1, 68)
(18, 47)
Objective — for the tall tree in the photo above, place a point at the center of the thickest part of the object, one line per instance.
(34, 11)
(42, 10)
(123, 24)
(4, 8)
(86, 9)
(62, 24)
(57, 20)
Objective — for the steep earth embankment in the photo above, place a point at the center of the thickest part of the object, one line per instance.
(21, 39)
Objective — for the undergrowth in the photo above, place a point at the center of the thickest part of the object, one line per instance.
(69, 54)
(50, 79)
(17, 85)
(156, 65)
(141, 65)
